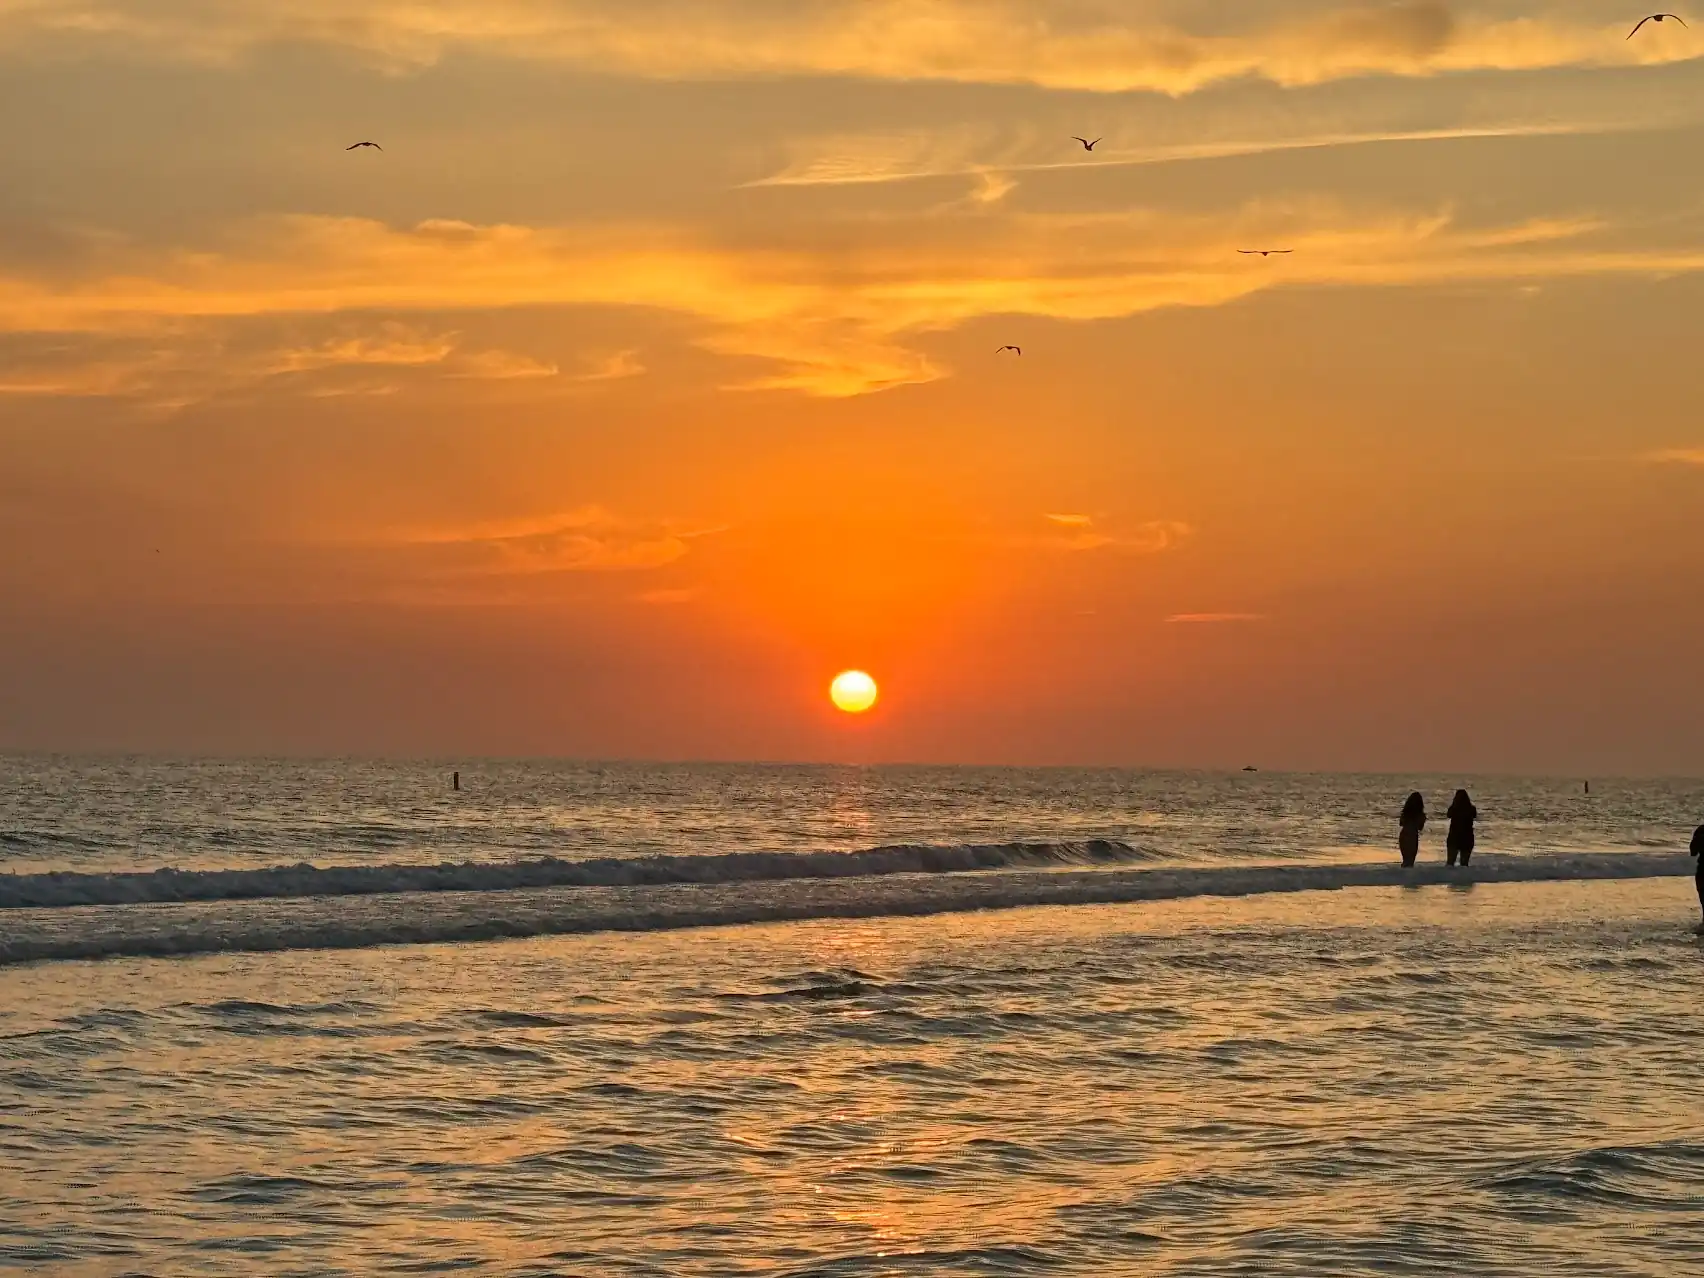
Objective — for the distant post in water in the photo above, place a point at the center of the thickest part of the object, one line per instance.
(455, 780)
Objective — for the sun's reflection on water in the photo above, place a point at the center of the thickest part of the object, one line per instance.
(1183, 1086)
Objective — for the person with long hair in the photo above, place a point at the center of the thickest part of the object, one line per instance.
(1412, 821)
(1459, 843)
(1698, 851)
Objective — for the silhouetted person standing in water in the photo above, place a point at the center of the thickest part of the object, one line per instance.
(1698, 851)
(1460, 840)
(1413, 820)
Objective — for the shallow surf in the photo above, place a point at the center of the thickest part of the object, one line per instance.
(1496, 1078)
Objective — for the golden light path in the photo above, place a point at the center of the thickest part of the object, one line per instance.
(853, 691)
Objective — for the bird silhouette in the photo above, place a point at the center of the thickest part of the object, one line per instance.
(1016, 350)
(1087, 145)
(374, 145)
(1263, 252)
(1655, 17)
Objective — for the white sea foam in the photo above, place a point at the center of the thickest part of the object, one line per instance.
(891, 882)
(50, 890)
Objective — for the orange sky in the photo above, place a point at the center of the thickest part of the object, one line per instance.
(648, 377)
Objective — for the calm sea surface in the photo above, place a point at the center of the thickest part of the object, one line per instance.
(109, 814)
(1223, 1075)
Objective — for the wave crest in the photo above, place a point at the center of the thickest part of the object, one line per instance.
(365, 919)
(70, 888)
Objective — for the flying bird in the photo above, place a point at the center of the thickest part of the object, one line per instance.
(374, 145)
(1087, 145)
(1655, 17)
(1263, 252)
(1016, 350)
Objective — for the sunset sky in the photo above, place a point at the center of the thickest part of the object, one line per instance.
(647, 378)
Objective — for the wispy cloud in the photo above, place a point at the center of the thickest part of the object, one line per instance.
(500, 366)
(1212, 618)
(391, 345)
(874, 160)
(1677, 456)
(589, 539)
(991, 187)
(842, 318)
(615, 367)
(1099, 45)
(1080, 533)
(176, 360)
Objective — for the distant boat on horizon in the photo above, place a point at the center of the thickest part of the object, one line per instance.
(1251, 768)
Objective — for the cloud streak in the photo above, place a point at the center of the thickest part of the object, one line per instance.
(589, 539)
(1083, 533)
(877, 160)
(615, 367)
(175, 360)
(1106, 46)
(842, 317)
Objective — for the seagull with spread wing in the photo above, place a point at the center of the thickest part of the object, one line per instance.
(1087, 145)
(1655, 17)
(1263, 252)
(374, 145)
(1016, 350)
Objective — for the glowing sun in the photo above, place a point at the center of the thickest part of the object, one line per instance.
(852, 691)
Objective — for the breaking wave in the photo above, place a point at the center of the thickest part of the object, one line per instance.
(305, 907)
(52, 890)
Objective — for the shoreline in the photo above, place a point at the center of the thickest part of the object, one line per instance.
(161, 929)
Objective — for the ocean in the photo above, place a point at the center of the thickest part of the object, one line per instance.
(337, 1018)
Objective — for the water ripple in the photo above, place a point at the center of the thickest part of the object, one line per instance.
(1373, 1081)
